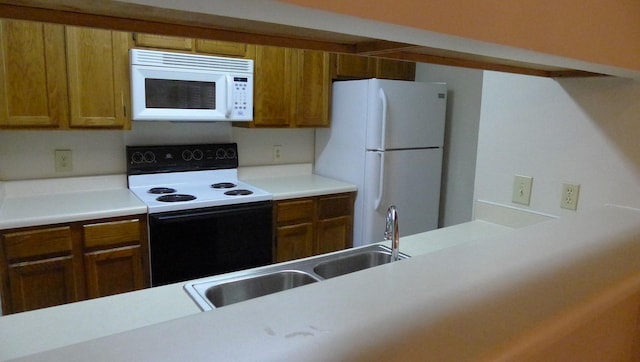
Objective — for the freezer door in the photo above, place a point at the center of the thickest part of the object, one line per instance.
(409, 179)
(405, 114)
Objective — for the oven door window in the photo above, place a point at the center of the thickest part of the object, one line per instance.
(192, 244)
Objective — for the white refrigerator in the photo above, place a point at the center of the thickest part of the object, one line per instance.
(386, 137)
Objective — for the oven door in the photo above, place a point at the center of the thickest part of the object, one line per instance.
(190, 244)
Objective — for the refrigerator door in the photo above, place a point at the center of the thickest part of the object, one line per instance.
(405, 114)
(409, 179)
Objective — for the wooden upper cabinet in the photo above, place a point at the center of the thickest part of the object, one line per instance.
(355, 67)
(162, 41)
(292, 88)
(395, 69)
(33, 76)
(222, 48)
(350, 66)
(98, 69)
(273, 85)
(213, 47)
(313, 88)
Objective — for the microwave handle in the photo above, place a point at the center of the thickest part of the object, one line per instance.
(229, 96)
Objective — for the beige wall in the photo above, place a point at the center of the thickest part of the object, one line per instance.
(600, 31)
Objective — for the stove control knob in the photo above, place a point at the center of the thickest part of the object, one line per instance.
(137, 157)
(187, 155)
(197, 155)
(220, 154)
(149, 157)
(231, 153)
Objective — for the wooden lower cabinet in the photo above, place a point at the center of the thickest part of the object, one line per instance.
(113, 271)
(113, 257)
(52, 265)
(313, 225)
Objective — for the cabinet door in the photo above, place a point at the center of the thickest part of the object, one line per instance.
(295, 228)
(113, 271)
(334, 234)
(98, 71)
(162, 41)
(40, 269)
(355, 67)
(294, 241)
(33, 77)
(115, 257)
(396, 69)
(273, 85)
(313, 88)
(42, 283)
(224, 48)
(335, 223)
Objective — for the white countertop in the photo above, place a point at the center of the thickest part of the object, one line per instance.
(51, 201)
(43, 202)
(83, 321)
(289, 187)
(465, 302)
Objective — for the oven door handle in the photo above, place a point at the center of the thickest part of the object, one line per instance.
(178, 216)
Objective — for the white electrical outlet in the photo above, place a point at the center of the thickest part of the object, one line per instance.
(277, 153)
(522, 189)
(570, 193)
(63, 161)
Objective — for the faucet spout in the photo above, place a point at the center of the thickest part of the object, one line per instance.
(392, 232)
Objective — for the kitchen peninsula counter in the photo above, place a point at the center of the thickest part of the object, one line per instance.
(87, 320)
(543, 290)
(548, 290)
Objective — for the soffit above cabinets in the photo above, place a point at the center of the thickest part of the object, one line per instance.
(141, 18)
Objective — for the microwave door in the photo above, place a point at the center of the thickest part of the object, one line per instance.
(174, 95)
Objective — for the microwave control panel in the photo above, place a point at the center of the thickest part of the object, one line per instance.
(242, 97)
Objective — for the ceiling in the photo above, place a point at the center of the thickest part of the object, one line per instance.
(142, 18)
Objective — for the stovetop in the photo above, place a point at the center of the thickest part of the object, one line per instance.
(173, 178)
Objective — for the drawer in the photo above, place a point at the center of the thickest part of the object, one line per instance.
(298, 210)
(37, 243)
(334, 206)
(111, 233)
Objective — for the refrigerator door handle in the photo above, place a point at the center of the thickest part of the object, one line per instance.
(383, 134)
(378, 200)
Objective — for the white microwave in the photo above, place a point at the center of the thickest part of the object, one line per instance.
(169, 86)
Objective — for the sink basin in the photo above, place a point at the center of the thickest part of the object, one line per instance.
(253, 287)
(351, 263)
(218, 291)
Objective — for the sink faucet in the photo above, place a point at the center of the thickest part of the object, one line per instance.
(392, 232)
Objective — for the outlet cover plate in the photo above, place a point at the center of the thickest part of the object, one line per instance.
(522, 189)
(570, 193)
(63, 161)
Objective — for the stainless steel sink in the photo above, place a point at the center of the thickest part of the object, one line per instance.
(253, 287)
(221, 290)
(351, 263)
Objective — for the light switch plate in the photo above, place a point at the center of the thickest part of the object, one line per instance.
(522, 189)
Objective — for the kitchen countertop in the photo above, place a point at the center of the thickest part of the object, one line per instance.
(289, 187)
(51, 201)
(84, 321)
(486, 299)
